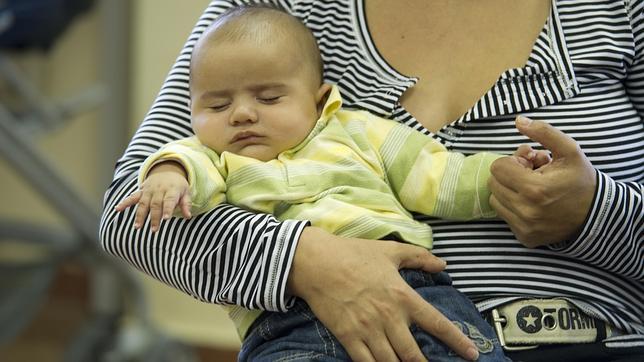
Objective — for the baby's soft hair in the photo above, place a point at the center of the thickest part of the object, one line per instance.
(261, 22)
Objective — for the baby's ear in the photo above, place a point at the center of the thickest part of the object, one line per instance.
(321, 95)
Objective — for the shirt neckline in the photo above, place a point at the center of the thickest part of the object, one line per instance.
(551, 30)
(384, 69)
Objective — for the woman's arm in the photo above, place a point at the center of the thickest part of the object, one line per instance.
(229, 255)
(635, 76)
(224, 256)
(613, 234)
(569, 206)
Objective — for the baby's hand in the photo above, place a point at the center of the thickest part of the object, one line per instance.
(164, 189)
(531, 158)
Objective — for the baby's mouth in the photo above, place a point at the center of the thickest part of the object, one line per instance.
(245, 136)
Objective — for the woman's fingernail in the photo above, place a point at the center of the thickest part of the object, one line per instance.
(524, 121)
(472, 354)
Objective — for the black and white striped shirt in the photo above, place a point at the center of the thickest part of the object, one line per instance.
(585, 76)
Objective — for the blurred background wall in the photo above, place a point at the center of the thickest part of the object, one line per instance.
(68, 67)
(80, 150)
(159, 32)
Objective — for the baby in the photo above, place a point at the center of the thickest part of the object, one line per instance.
(271, 137)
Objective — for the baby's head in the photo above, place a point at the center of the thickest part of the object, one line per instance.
(255, 83)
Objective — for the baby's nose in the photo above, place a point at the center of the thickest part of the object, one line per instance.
(243, 114)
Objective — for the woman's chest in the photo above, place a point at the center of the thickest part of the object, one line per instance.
(456, 49)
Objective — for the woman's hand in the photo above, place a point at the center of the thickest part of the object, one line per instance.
(549, 204)
(353, 286)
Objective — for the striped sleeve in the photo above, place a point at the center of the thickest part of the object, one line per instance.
(635, 77)
(613, 235)
(225, 256)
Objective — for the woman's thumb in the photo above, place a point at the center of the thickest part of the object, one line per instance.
(557, 142)
(416, 257)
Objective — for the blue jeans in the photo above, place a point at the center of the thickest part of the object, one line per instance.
(298, 335)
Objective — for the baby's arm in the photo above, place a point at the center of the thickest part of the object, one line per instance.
(165, 188)
(431, 180)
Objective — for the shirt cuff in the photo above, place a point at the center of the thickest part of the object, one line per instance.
(286, 241)
(591, 230)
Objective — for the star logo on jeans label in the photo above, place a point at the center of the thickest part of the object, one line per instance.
(529, 319)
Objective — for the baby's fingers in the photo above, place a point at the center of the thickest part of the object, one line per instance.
(541, 158)
(142, 208)
(128, 201)
(156, 208)
(525, 151)
(170, 201)
(186, 203)
(531, 158)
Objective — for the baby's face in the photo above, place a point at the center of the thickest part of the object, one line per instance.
(252, 100)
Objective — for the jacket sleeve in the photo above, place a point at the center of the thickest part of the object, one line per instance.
(226, 255)
(613, 235)
(429, 179)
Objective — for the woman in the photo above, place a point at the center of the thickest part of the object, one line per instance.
(577, 68)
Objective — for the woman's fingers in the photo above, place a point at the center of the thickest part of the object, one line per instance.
(380, 347)
(412, 308)
(435, 323)
(403, 343)
(362, 280)
(408, 256)
(378, 331)
(357, 350)
(503, 196)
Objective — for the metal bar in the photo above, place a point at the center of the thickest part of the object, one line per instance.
(22, 154)
(47, 113)
(37, 170)
(114, 63)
